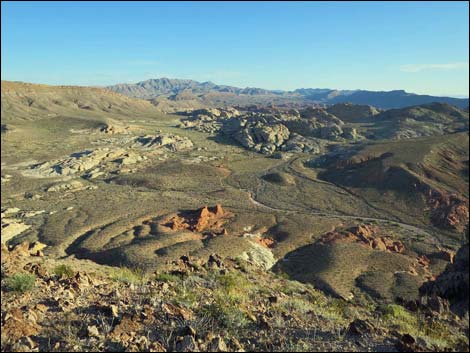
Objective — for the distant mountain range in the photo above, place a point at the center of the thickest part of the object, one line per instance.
(165, 91)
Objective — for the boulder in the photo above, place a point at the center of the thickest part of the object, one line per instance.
(331, 132)
(350, 133)
(361, 327)
(186, 344)
(218, 345)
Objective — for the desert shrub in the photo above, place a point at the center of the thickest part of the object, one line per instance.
(289, 287)
(167, 277)
(128, 275)
(435, 333)
(399, 317)
(226, 312)
(241, 263)
(63, 270)
(21, 282)
(296, 305)
(230, 292)
(439, 334)
(232, 284)
(186, 296)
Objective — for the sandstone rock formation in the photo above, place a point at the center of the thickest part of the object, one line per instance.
(267, 130)
(366, 235)
(331, 132)
(76, 163)
(11, 224)
(449, 211)
(259, 255)
(205, 219)
(93, 162)
(172, 142)
(262, 138)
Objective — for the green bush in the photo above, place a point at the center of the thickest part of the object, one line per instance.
(166, 277)
(399, 317)
(63, 270)
(226, 312)
(434, 333)
(231, 292)
(233, 286)
(128, 275)
(21, 282)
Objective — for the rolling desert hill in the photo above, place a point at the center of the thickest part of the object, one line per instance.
(31, 101)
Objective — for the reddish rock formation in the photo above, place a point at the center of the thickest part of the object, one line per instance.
(266, 242)
(204, 219)
(366, 235)
(423, 261)
(447, 210)
(450, 212)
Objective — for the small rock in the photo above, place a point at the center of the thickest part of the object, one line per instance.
(186, 344)
(218, 345)
(114, 310)
(35, 247)
(24, 344)
(273, 299)
(156, 347)
(361, 327)
(41, 308)
(93, 331)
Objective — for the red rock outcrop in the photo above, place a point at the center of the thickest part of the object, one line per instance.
(447, 210)
(450, 212)
(204, 219)
(366, 235)
(266, 242)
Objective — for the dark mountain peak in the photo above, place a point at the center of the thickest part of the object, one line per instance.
(215, 94)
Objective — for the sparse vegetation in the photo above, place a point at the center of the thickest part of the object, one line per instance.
(129, 276)
(167, 293)
(63, 271)
(230, 294)
(21, 282)
(167, 277)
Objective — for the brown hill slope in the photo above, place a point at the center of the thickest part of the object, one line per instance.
(26, 101)
(429, 174)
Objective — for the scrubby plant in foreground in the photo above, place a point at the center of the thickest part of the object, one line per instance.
(63, 271)
(21, 282)
(129, 276)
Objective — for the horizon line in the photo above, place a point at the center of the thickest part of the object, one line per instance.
(457, 96)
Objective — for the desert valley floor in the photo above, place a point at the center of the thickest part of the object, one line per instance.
(233, 228)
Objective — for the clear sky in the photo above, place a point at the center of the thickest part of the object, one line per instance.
(421, 47)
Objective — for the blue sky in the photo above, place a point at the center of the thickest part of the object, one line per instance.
(421, 47)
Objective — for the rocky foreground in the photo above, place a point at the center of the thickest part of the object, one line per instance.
(207, 304)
